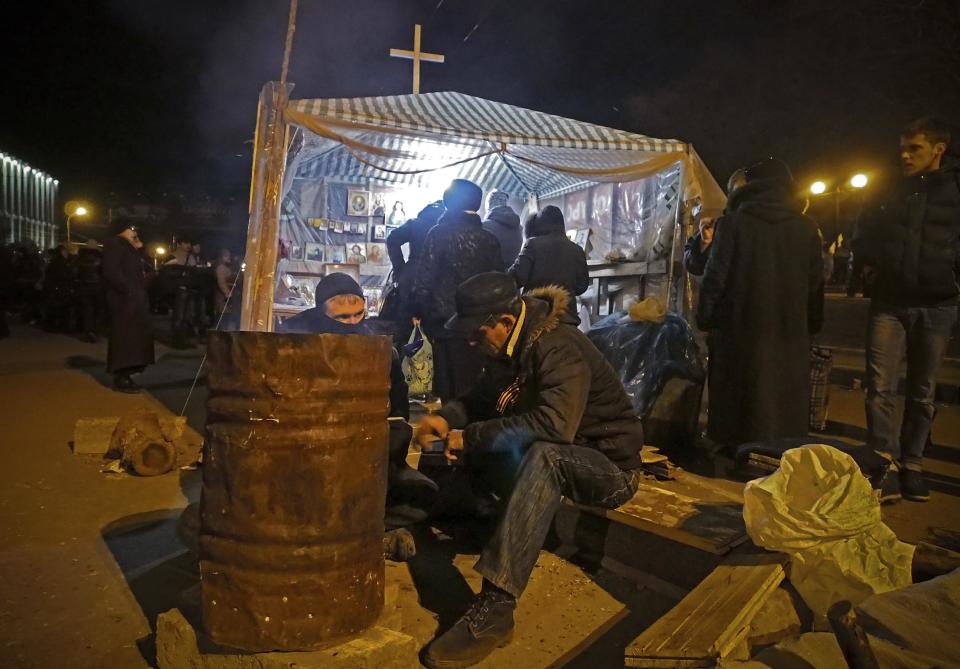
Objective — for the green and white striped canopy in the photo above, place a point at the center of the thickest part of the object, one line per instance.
(421, 140)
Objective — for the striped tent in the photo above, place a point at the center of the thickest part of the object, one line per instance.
(420, 140)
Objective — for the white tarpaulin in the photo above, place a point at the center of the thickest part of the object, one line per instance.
(821, 510)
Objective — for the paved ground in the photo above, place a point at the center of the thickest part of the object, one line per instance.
(89, 559)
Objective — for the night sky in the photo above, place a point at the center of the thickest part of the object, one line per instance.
(132, 96)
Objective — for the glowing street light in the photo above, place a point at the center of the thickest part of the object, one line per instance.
(859, 180)
(74, 208)
(818, 187)
(161, 250)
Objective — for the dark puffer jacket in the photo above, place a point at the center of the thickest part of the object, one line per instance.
(557, 387)
(456, 249)
(504, 224)
(911, 239)
(548, 258)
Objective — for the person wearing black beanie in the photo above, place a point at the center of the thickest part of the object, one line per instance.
(130, 346)
(341, 310)
(457, 249)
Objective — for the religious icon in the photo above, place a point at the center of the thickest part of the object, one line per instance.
(358, 202)
(335, 253)
(336, 226)
(379, 232)
(398, 216)
(377, 253)
(296, 252)
(356, 255)
(314, 252)
(379, 206)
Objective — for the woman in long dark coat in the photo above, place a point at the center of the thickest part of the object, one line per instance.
(761, 300)
(130, 347)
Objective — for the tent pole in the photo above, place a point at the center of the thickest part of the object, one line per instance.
(270, 143)
(263, 229)
(677, 239)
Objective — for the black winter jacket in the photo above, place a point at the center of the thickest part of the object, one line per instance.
(911, 238)
(557, 387)
(550, 259)
(456, 249)
(504, 224)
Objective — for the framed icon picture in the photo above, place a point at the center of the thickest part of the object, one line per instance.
(379, 233)
(358, 202)
(314, 252)
(377, 253)
(335, 253)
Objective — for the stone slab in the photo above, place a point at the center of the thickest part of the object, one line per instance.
(376, 648)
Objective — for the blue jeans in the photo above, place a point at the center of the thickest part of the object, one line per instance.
(546, 472)
(924, 332)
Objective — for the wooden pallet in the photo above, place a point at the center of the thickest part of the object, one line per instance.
(715, 526)
(712, 620)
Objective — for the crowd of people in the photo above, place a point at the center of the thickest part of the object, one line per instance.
(761, 301)
(101, 288)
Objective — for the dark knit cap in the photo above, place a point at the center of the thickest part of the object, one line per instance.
(336, 283)
(770, 168)
(462, 195)
(119, 224)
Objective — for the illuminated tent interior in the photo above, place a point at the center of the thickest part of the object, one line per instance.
(400, 152)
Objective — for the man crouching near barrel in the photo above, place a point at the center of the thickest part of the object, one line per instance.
(547, 418)
(341, 309)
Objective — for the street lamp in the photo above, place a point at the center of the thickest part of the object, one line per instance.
(818, 187)
(859, 180)
(74, 209)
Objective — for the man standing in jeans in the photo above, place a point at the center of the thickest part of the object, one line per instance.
(547, 418)
(909, 249)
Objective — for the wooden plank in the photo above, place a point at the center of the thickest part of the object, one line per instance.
(711, 620)
(715, 526)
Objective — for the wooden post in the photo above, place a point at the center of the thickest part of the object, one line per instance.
(263, 229)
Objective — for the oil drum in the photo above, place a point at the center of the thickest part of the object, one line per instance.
(294, 482)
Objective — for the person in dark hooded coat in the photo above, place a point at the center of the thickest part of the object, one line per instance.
(413, 233)
(130, 347)
(455, 250)
(760, 301)
(504, 224)
(548, 258)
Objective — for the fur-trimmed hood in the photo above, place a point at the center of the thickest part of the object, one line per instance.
(548, 312)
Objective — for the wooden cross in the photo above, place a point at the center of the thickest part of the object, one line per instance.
(416, 56)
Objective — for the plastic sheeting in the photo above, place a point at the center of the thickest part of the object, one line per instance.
(648, 354)
(820, 510)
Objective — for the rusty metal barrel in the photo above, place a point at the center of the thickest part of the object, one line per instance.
(294, 483)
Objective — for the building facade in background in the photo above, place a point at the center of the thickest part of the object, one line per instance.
(28, 208)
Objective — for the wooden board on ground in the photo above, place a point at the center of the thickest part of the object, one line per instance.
(704, 522)
(713, 618)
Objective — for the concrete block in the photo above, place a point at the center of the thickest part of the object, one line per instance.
(377, 648)
(91, 436)
(776, 620)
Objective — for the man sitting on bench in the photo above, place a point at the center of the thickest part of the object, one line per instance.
(547, 418)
